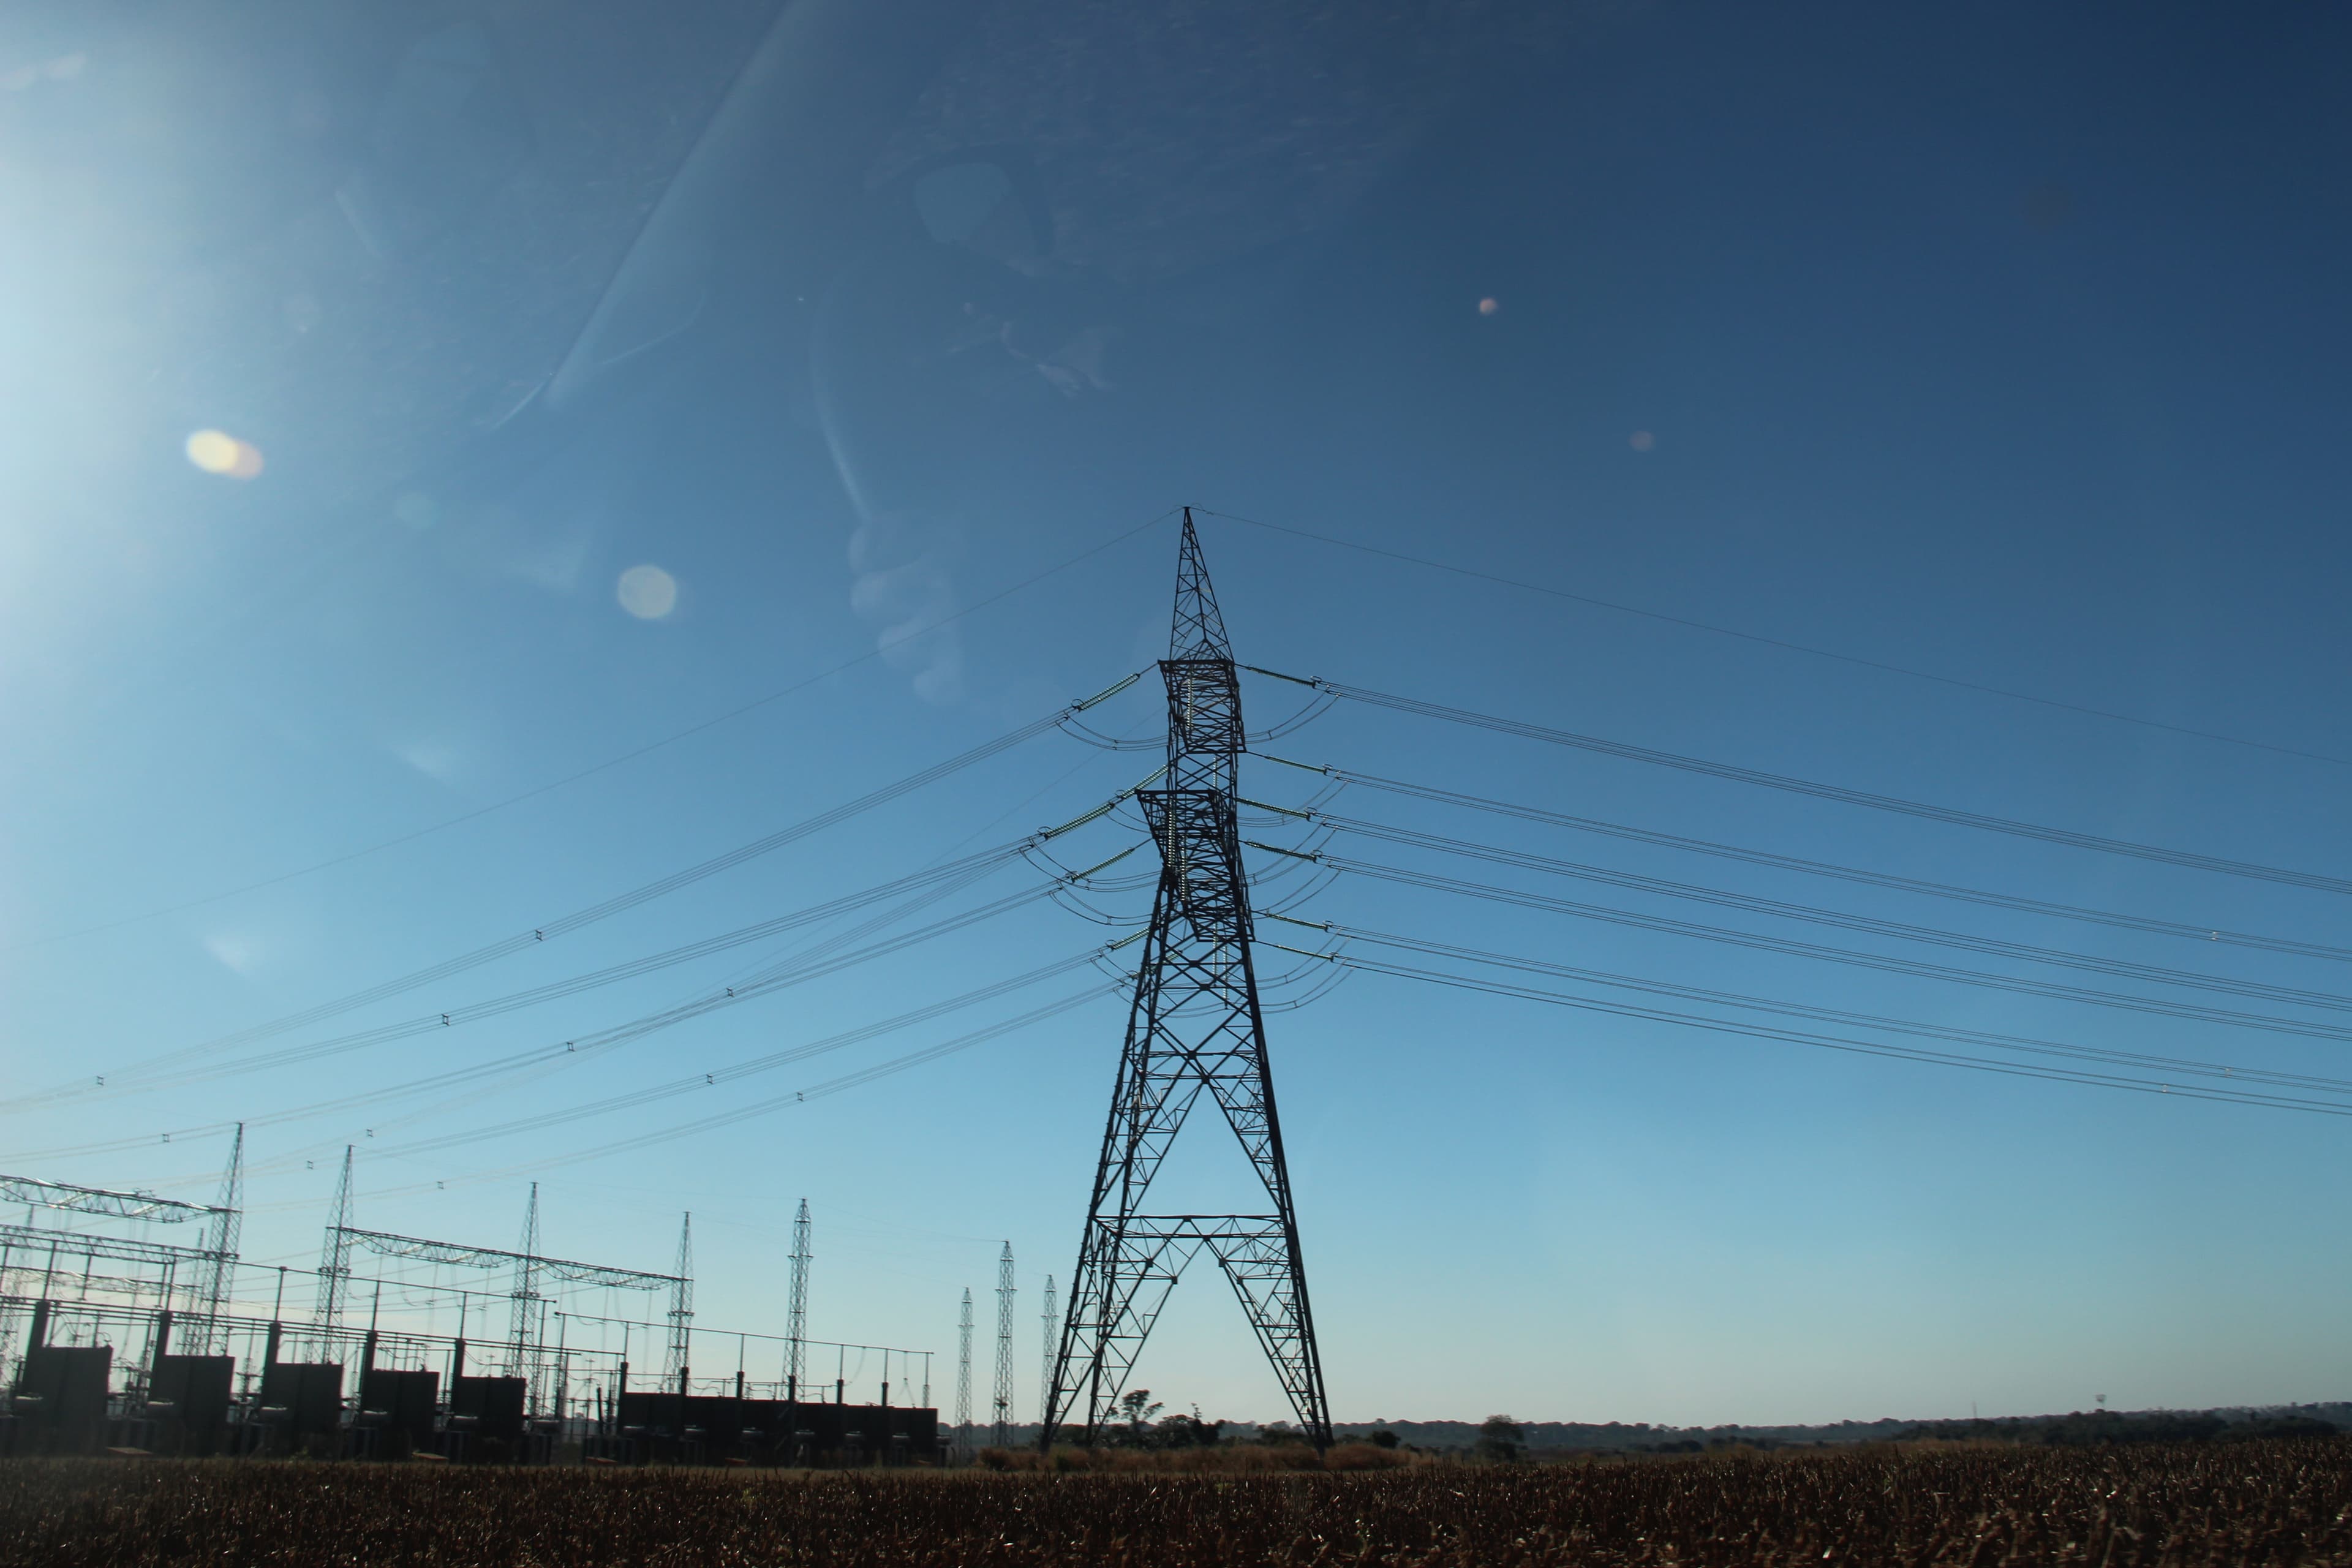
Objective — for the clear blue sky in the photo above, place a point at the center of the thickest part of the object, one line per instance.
(2006, 346)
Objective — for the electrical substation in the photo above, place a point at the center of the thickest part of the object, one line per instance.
(396, 1346)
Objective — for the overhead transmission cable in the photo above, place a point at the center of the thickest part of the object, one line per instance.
(1839, 792)
(629, 756)
(2235, 1072)
(954, 851)
(1885, 962)
(943, 879)
(1119, 983)
(798, 969)
(850, 1081)
(764, 977)
(2187, 931)
(737, 1072)
(566, 924)
(1780, 909)
(814, 962)
(604, 1040)
(817, 962)
(2208, 1091)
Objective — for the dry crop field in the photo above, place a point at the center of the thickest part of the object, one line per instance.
(2257, 1503)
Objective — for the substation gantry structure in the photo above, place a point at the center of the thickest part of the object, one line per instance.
(526, 1352)
(193, 1279)
(1194, 1026)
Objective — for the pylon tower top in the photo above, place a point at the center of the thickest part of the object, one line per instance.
(1199, 627)
(1205, 738)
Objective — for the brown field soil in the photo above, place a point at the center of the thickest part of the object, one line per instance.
(2256, 1503)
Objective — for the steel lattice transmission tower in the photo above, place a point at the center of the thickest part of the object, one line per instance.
(527, 1328)
(1050, 1322)
(963, 1377)
(796, 1319)
(682, 1308)
(1194, 1026)
(1003, 1391)
(335, 1255)
(219, 1281)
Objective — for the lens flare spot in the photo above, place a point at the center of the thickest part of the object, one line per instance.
(1640, 440)
(217, 453)
(1489, 305)
(647, 592)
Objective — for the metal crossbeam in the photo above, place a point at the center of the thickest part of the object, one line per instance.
(459, 1256)
(32, 1241)
(100, 1200)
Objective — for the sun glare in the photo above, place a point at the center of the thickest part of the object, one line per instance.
(218, 453)
(647, 592)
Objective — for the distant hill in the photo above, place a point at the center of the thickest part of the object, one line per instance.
(1542, 1436)
(1570, 1436)
(1580, 1437)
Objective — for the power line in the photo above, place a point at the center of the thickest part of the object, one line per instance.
(2027, 1043)
(2185, 930)
(848, 1081)
(813, 963)
(1782, 642)
(724, 1077)
(1525, 730)
(609, 763)
(637, 1028)
(1792, 948)
(1827, 1041)
(802, 967)
(1842, 920)
(121, 1081)
(566, 924)
(807, 966)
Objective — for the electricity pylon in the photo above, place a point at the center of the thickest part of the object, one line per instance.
(219, 1281)
(1003, 1390)
(681, 1309)
(528, 1326)
(963, 1378)
(1049, 1325)
(335, 1255)
(1194, 1025)
(796, 1319)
